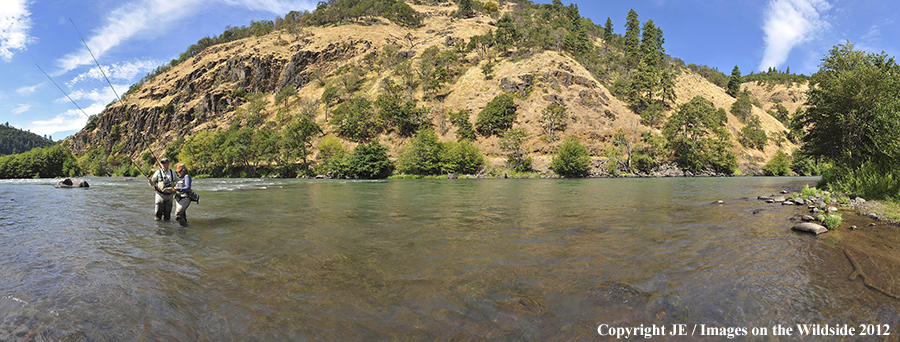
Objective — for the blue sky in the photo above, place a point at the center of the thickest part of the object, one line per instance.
(132, 37)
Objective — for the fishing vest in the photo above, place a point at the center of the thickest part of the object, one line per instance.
(168, 177)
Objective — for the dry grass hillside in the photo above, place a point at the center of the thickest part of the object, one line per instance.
(551, 77)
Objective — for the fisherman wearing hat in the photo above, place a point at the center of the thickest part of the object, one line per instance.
(163, 181)
(182, 194)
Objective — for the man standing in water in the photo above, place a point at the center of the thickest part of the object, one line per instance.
(163, 180)
(182, 194)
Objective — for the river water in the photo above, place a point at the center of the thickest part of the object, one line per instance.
(415, 260)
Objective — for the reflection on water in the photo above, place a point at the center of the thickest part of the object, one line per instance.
(414, 260)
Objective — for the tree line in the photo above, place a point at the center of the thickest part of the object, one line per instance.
(14, 140)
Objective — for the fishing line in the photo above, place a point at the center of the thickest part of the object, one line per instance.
(118, 99)
(63, 91)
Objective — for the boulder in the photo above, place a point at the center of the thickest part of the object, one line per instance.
(763, 198)
(807, 218)
(810, 227)
(70, 183)
(779, 198)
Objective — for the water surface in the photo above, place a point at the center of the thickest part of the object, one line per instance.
(268, 260)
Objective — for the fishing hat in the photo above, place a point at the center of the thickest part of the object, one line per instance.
(180, 167)
(164, 161)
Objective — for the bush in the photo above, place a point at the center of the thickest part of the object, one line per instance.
(572, 160)
(511, 143)
(422, 156)
(831, 221)
(779, 165)
(357, 120)
(463, 157)
(497, 116)
(370, 161)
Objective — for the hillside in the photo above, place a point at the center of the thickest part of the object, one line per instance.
(14, 140)
(206, 92)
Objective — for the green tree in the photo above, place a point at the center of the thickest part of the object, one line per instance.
(779, 165)
(460, 119)
(696, 134)
(370, 161)
(742, 108)
(512, 143)
(497, 116)
(553, 118)
(734, 82)
(608, 34)
(401, 116)
(422, 156)
(752, 135)
(632, 39)
(296, 140)
(463, 157)
(466, 9)
(507, 35)
(357, 120)
(854, 101)
(572, 160)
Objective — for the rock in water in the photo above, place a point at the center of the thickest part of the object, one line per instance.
(810, 228)
(70, 183)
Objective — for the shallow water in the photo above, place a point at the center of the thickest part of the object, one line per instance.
(416, 260)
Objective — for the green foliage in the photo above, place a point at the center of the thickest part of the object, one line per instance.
(853, 114)
(507, 35)
(852, 121)
(497, 116)
(466, 9)
(697, 135)
(357, 120)
(463, 157)
(13, 140)
(773, 76)
(437, 68)
(742, 108)
(423, 155)
(296, 141)
(512, 143)
(779, 165)
(734, 82)
(460, 119)
(173, 149)
(653, 116)
(572, 160)
(41, 162)
(332, 158)
(553, 118)
(831, 220)
(803, 165)
(370, 161)
(782, 114)
(336, 12)
(401, 116)
(752, 135)
(632, 39)
(490, 7)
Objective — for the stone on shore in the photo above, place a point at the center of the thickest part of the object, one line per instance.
(807, 218)
(779, 199)
(810, 227)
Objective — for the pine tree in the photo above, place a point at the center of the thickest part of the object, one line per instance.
(734, 82)
(608, 31)
(632, 39)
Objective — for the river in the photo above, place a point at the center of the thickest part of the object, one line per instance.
(416, 260)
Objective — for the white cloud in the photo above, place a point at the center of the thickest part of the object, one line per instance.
(27, 90)
(789, 23)
(15, 22)
(70, 120)
(22, 108)
(279, 7)
(100, 95)
(125, 71)
(144, 16)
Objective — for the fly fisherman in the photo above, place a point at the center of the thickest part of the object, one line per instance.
(163, 180)
(182, 194)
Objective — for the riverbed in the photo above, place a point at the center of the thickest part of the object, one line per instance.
(415, 260)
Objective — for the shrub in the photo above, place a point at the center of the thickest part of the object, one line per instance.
(831, 221)
(511, 143)
(497, 116)
(779, 165)
(370, 161)
(572, 160)
(357, 120)
(463, 157)
(422, 156)
(460, 119)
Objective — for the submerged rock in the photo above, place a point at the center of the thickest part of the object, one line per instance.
(810, 228)
(70, 183)
(807, 218)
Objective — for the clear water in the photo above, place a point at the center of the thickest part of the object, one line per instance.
(267, 260)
